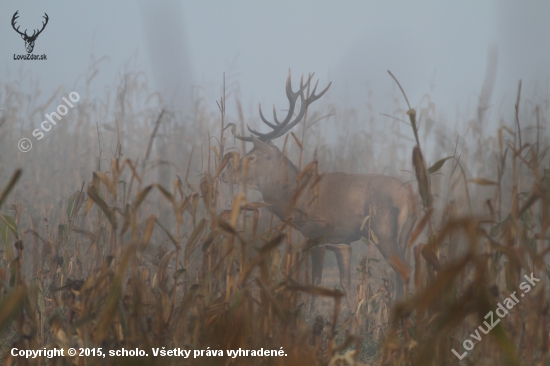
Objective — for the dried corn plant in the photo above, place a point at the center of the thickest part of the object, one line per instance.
(127, 259)
(470, 263)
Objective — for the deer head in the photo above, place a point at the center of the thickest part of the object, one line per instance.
(29, 40)
(266, 168)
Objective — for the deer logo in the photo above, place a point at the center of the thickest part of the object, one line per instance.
(334, 206)
(29, 40)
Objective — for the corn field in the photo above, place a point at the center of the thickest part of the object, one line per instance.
(118, 233)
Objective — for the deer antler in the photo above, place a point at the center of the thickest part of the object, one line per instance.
(34, 34)
(280, 128)
(13, 19)
(43, 26)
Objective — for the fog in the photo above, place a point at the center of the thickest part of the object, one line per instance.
(432, 47)
(139, 170)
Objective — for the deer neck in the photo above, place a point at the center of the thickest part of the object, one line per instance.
(279, 186)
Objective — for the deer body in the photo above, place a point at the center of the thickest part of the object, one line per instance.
(341, 205)
(333, 206)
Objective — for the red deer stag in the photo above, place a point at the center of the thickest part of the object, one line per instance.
(342, 203)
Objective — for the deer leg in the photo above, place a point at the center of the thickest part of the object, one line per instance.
(399, 283)
(343, 257)
(317, 260)
(388, 249)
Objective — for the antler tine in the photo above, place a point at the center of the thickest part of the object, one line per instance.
(13, 19)
(43, 23)
(304, 86)
(248, 139)
(315, 87)
(265, 137)
(294, 95)
(314, 97)
(288, 86)
(291, 95)
(274, 117)
(261, 136)
(263, 118)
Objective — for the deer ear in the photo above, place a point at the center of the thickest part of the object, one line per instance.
(263, 147)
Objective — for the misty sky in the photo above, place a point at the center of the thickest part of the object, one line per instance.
(431, 46)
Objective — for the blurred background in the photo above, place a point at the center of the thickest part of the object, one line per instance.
(163, 86)
(432, 47)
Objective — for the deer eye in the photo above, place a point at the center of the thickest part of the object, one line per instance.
(251, 158)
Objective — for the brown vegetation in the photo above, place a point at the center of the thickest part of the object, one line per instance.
(128, 260)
